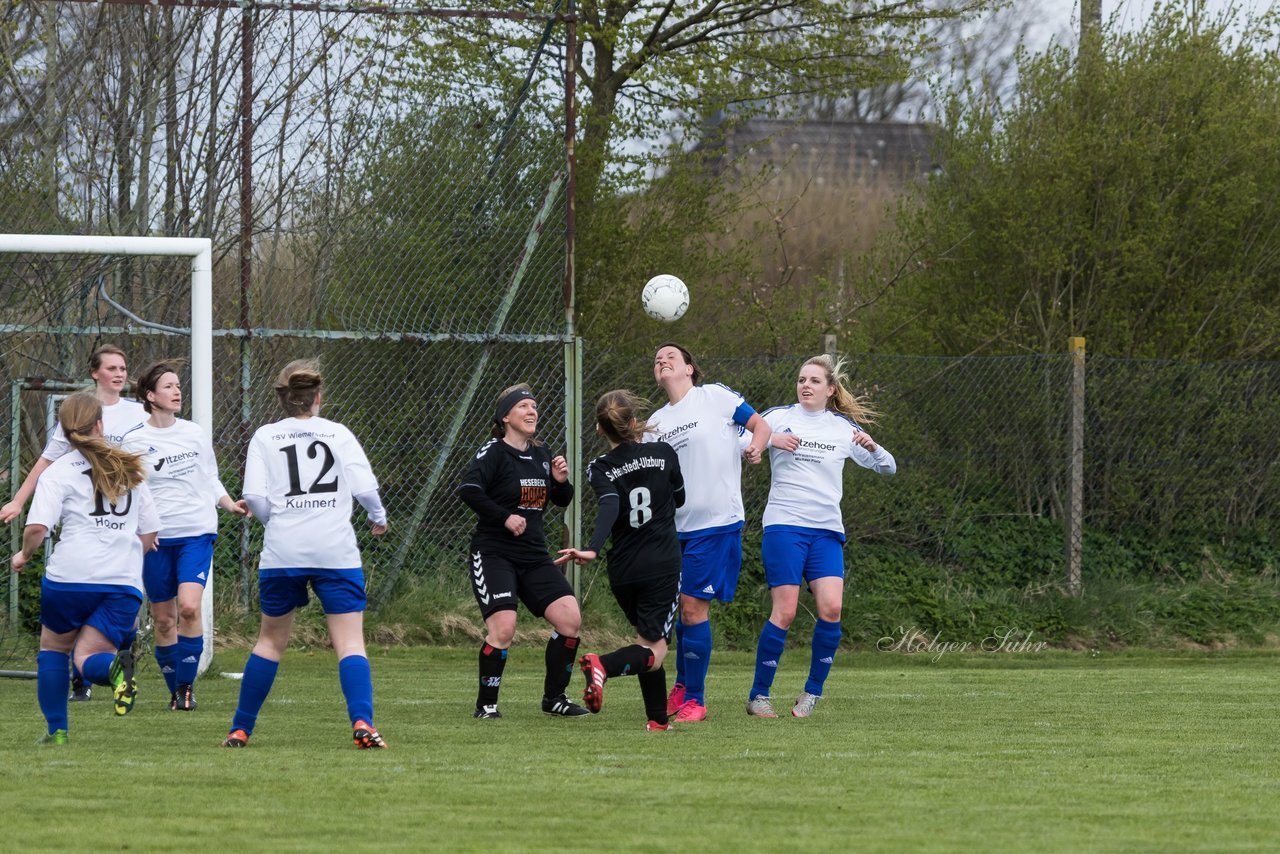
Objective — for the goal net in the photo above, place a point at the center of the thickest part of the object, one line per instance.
(62, 297)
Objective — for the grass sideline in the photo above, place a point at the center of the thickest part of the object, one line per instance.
(976, 751)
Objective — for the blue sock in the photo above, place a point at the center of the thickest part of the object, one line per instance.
(51, 687)
(773, 640)
(696, 655)
(679, 651)
(357, 687)
(826, 640)
(97, 668)
(165, 657)
(255, 685)
(189, 652)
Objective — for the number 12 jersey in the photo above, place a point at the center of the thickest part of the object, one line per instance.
(308, 469)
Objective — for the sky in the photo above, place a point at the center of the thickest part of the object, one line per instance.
(1063, 16)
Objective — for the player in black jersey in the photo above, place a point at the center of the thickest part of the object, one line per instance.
(639, 487)
(508, 485)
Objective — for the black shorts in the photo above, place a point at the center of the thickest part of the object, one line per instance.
(650, 605)
(498, 582)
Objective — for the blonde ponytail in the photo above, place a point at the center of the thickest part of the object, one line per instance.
(113, 471)
(844, 401)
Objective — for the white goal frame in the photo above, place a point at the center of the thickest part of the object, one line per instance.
(200, 251)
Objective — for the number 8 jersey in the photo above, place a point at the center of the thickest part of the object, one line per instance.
(646, 486)
(308, 469)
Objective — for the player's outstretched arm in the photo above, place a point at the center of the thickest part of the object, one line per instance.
(760, 433)
(13, 509)
(578, 556)
(32, 537)
(240, 508)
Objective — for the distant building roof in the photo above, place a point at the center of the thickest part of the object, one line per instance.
(836, 150)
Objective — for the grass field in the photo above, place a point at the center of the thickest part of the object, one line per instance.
(1049, 751)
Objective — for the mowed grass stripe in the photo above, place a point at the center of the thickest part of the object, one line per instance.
(1057, 751)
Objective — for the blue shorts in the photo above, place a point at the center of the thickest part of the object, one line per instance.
(110, 608)
(179, 560)
(710, 565)
(340, 591)
(791, 554)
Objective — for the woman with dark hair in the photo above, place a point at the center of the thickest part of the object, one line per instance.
(702, 423)
(508, 485)
(300, 476)
(638, 486)
(92, 586)
(803, 528)
(183, 475)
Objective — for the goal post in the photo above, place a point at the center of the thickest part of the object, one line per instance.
(200, 252)
(198, 249)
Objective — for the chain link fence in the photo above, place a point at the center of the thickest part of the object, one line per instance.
(983, 449)
(979, 442)
(409, 228)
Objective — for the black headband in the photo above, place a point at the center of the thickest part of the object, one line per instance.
(505, 405)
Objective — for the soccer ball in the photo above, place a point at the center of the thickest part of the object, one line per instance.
(665, 298)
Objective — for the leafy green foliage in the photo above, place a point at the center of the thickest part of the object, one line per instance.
(1129, 199)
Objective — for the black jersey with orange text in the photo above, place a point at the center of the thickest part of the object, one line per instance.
(502, 480)
(644, 484)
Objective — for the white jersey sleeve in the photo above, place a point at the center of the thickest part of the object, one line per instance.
(57, 446)
(46, 504)
(879, 461)
(209, 465)
(360, 477)
(148, 515)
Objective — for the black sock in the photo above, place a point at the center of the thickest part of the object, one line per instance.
(628, 661)
(561, 654)
(653, 688)
(492, 661)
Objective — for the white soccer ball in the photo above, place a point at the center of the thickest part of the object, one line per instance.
(665, 298)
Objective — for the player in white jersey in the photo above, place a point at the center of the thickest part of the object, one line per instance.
(92, 586)
(183, 475)
(701, 422)
(803, 528)
(110, 374)
(299, 479)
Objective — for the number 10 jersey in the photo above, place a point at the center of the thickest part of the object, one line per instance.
(308, 469)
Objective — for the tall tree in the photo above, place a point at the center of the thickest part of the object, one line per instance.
(652, 71)
(1130, 199)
